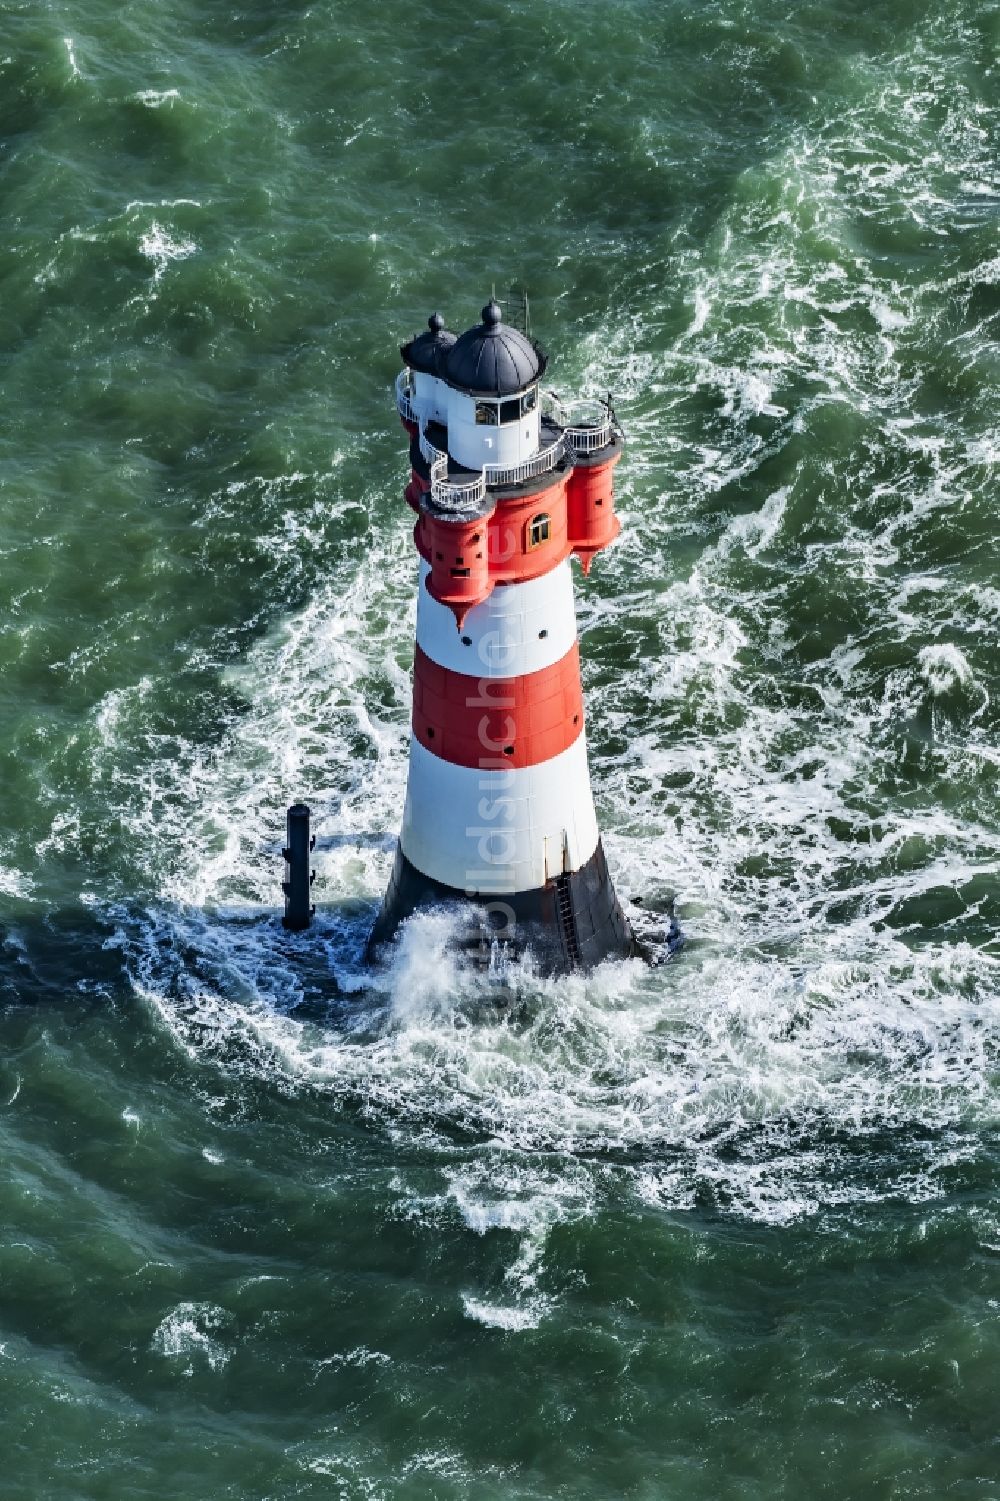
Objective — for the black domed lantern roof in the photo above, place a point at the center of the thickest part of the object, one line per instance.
(492, 359)
(425, 352)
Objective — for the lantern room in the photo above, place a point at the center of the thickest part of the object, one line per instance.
(492, 374)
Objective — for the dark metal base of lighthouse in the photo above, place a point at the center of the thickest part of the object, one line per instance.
(572, 922)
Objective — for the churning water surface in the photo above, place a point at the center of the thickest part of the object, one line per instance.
(274, 1226)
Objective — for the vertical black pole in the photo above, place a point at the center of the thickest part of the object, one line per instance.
(298, 877)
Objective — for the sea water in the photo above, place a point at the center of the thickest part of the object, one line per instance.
(272, 1226)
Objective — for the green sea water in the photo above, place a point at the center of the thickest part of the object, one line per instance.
(274, 1227)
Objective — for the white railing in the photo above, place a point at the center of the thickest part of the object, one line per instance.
(462, 495)
(515, 474)
(446, 493)
(587, 425)
(552, 407)
(404, 391)
(595, 433)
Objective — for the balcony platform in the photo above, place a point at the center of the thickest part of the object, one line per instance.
(550, 433)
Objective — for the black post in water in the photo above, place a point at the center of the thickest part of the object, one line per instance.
(298, 877)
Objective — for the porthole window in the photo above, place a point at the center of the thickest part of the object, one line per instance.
(539, 530)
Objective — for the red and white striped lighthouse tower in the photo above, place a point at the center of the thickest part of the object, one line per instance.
(499, 811)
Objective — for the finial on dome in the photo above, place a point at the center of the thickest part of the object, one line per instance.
(491, 313)
(435, 323)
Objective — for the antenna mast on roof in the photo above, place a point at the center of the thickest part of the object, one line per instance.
(520, 314)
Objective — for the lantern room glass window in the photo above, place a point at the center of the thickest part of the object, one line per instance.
(494, 414)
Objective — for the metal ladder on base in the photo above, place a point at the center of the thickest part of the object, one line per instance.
(567, 922)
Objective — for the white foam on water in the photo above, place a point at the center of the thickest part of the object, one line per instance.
(14, 882)
(162, 248)
(944, 667)
(350, 1466)
(157, 98)
(136, 203)
(496, 1193)
(497, 1316)
(711, 1070)
(852, 1030)
(356, 1359)
(188, 1335)
(757, 529)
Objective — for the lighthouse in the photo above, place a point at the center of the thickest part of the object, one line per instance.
(507, 489)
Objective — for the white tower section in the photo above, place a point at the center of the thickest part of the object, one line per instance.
(429, 398)
(484, 430)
